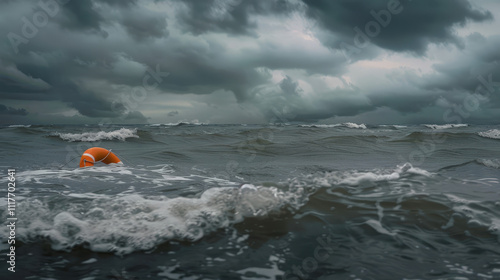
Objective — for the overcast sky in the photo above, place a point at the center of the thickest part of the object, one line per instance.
(250, 61)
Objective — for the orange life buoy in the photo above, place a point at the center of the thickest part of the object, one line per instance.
(96, 154)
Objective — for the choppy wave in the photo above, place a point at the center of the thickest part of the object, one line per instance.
(120, 134)
(185, 183)
(395, 126)
(492, 133)
(445, 126)
(354, 178)
(19, 125)
(394, 203)
(346, 125)
(494, 163)
(354, 125)
(182, 123)
(435, 136)
(132, 222)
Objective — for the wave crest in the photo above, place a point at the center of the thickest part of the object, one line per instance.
(345, 125)
(492, 133)
(356, 178)
(120, 134)
(181, 123)
(493, 163)
(19, 125)
(133, 222)
(445, 126)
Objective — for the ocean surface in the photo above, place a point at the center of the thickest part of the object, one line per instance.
(281, 201)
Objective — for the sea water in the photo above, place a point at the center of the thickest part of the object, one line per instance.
(278, 201)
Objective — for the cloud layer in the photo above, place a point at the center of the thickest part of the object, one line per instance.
(249, 61)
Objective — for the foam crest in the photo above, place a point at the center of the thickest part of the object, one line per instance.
(345, 125)
(19, 125)
(493, 163)
(132, 222)
(394, 126)
(354, 125)
(49, 175)
(445, 126)
(120, 134)
(181, 123)
(355, 178)
(492, 133)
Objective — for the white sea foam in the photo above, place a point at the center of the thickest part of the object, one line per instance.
(130, 222)
(354, 125)
(492, 133)
(346, 125)
(120, 134)
(494, 163)
(193, 122)
(319, 125)
(394, 126)
(19, 125)
(446, 126)
(355, 178)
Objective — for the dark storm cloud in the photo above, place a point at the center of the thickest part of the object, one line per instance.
(478, 71)
(403, 101)
(230, 16)
(14, 82)
(289, 86)
(288, 103)
(404, 25)
(122, 3)
(481, 57)
(55, 65)
(142, 24)
(93, 53)
(88, 102)
(5, 110)
(91, 15)
(62, 87)
(136, 117)
(173, 113)
(80, 15)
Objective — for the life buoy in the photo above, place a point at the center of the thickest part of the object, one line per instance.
(96, 154)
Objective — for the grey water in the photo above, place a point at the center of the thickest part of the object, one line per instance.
(278, 201)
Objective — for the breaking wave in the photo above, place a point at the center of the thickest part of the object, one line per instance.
(132, 222)
(394, 126)
(355, 178)
(19, 125)
(129, 222)
(492, 133)
(445, 126)
(120, 134)
(493, 163)
(345, 125)
(182, 123)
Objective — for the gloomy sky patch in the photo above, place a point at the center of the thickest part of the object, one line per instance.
(142, 25)
(403, 25)
(242, 60)
(229, 16)
(6, 110)
(122, 3)
(80, 15)
(477, 72)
